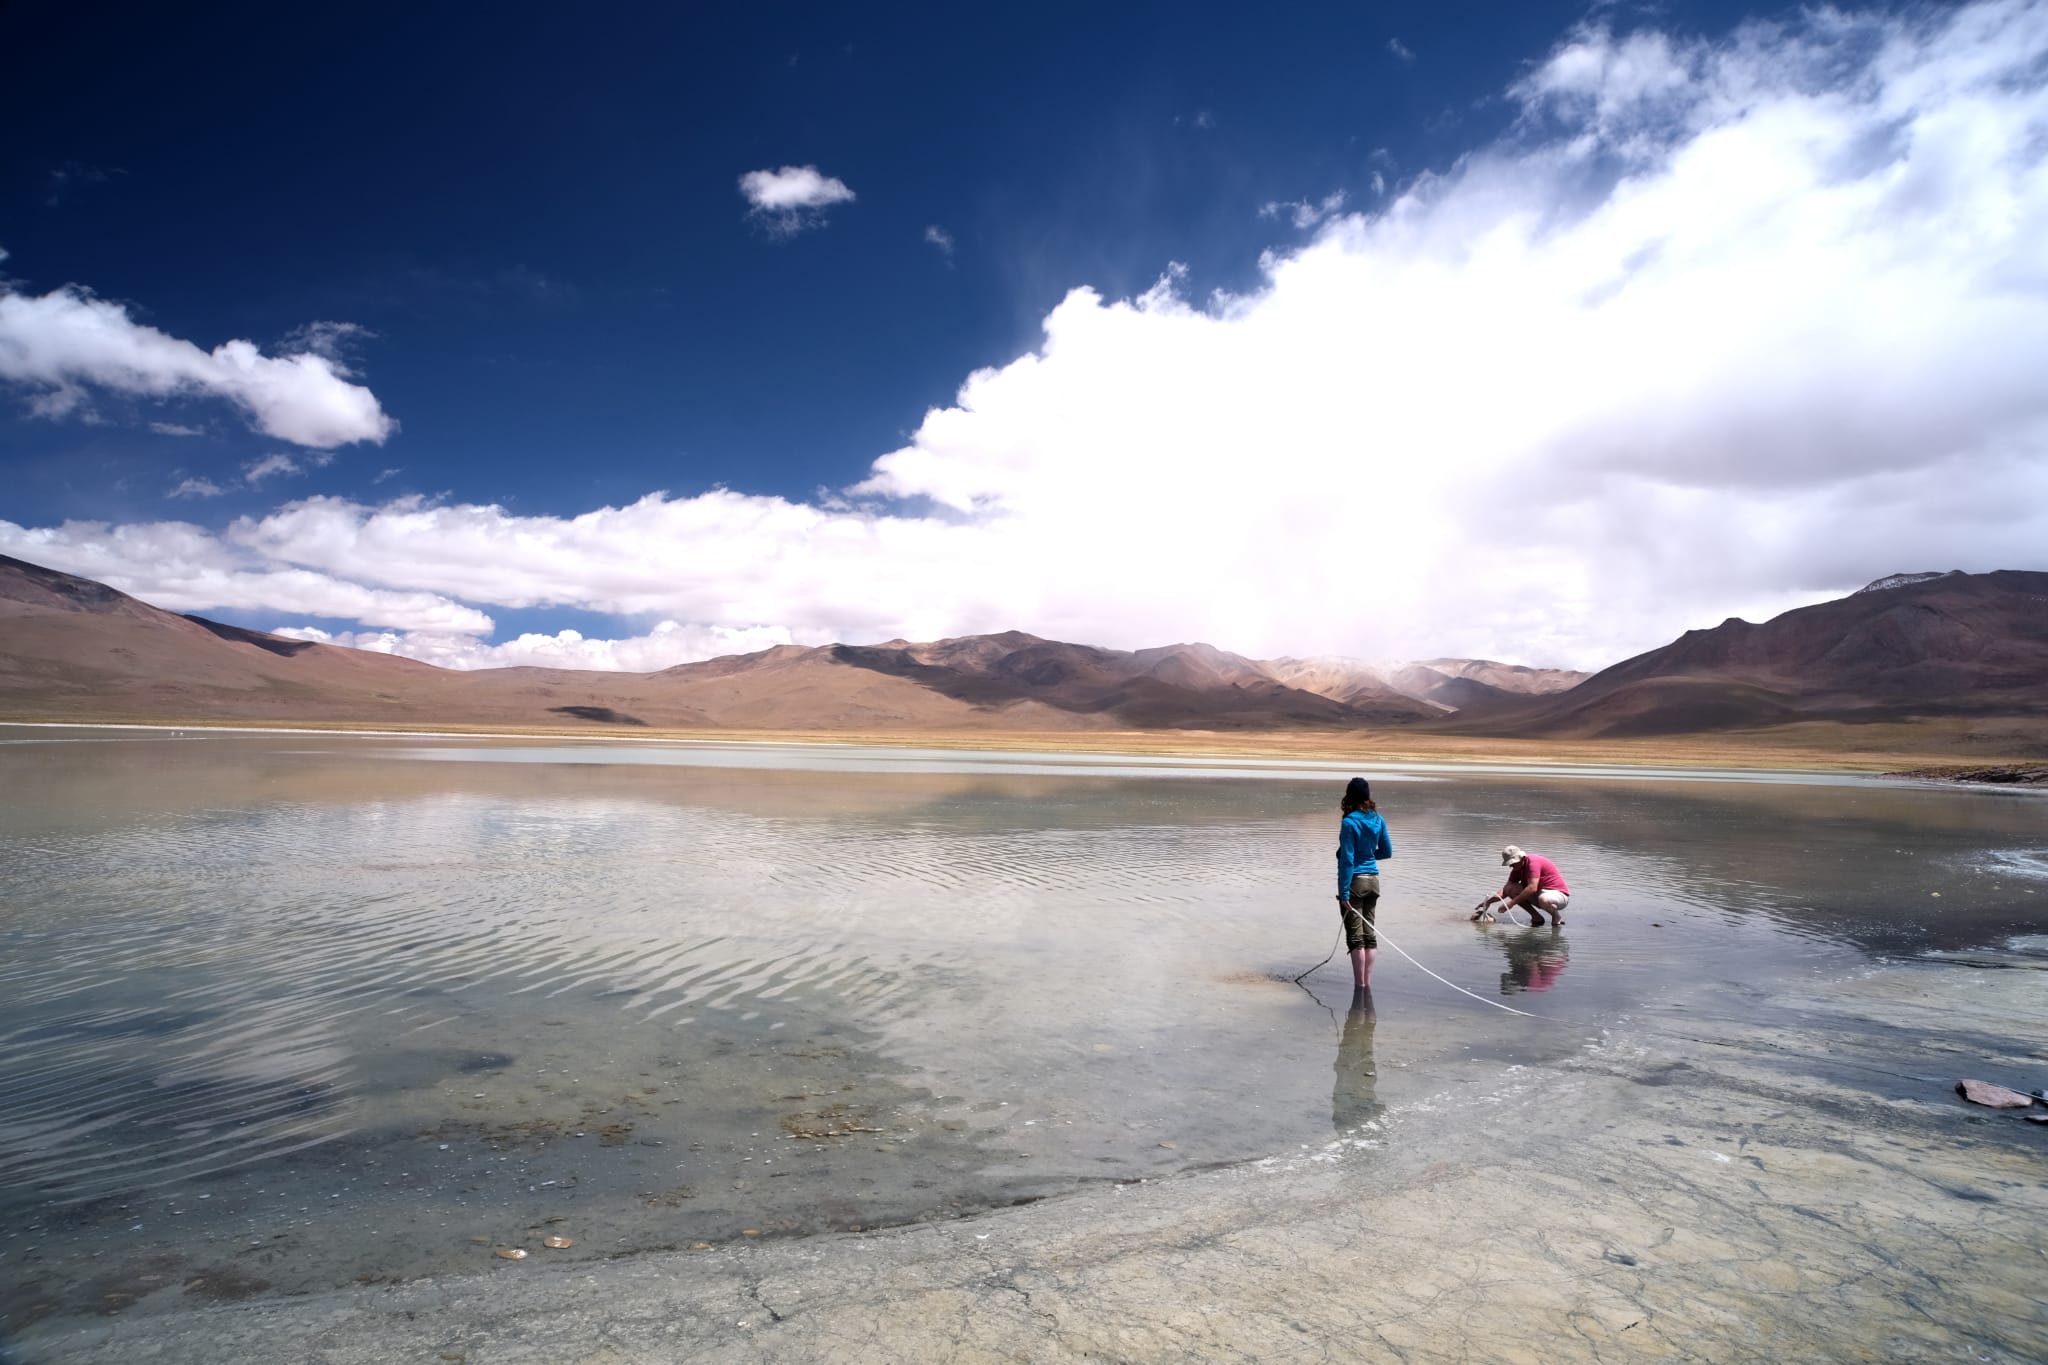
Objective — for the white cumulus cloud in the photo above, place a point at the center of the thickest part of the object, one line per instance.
(185, 568)
(61, 345)
(793, 198)
(668, 644)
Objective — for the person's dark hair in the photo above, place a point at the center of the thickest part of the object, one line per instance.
(1358, 795)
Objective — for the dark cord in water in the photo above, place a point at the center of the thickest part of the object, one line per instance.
(1333, 952)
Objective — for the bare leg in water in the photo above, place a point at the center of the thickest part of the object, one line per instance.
(1361, 967)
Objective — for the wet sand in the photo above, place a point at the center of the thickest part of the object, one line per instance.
(1693, 1187)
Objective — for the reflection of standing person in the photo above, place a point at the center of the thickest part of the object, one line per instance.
(1361, 842)
(1354, 1096)
(1534, 883)
(1535, 962)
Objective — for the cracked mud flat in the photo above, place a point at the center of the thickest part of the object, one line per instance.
(1693, 1186)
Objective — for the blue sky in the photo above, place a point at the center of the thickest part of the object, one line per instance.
(522, 247)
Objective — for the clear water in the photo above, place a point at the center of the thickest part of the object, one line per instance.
(281, 1013)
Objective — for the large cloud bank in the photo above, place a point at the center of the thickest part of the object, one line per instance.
(1718, 327)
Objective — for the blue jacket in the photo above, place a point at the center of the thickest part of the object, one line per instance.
(1361, 842)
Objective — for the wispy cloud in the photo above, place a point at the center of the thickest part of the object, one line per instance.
(176, 429)
(439, 286)
(330, 340)
(1400, 50)
(72, 176)
(1304, 213)
(792, 199)
(269, 467)
(941, 239)
(196, 488)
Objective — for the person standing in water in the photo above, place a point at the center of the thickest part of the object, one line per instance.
(1533, 883)
(1361, 842)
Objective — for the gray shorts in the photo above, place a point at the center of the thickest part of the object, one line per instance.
(1365, 902)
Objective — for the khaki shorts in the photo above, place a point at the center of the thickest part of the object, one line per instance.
(1365, 902)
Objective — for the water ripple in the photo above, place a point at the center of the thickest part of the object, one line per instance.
(185, 995)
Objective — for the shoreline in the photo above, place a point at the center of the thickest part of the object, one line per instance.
(1346, 749)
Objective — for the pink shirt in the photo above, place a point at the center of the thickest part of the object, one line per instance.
(1540, 870)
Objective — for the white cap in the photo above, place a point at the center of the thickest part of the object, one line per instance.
(1510, 855)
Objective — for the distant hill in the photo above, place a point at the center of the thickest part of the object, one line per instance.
(1909, 646)
(1471, 686)
(1445, 684)
(73, 648)
(1906, 647)
(1334, 676)
(1185, 686)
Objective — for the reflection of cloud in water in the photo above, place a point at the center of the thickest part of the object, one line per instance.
(113, 1095)
(2031, 863)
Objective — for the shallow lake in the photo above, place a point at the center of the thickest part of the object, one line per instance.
(285, 1012)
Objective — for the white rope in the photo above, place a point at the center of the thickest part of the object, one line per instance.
(1381, 933)
(1452, 984)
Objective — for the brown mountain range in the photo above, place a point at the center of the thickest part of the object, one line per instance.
(1474, 686)
(71, 648)
(1913, 646)
(1446, 684)
(1908, 647)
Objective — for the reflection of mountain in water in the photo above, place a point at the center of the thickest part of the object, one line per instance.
(1354, 1095)
(1536, 958)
